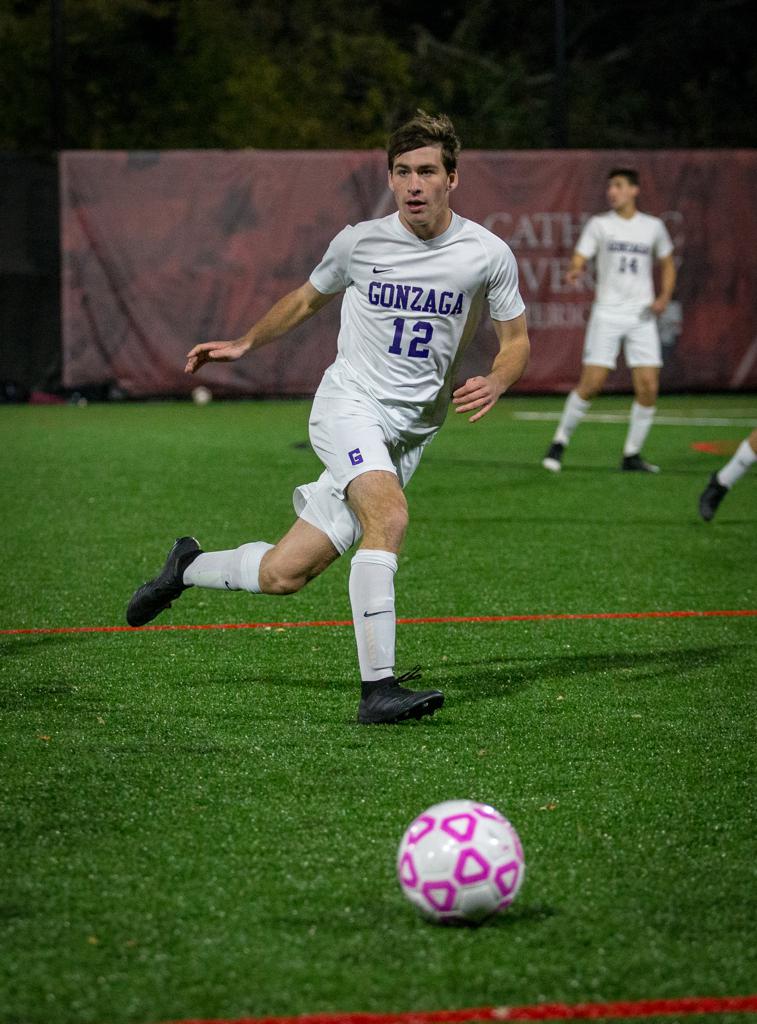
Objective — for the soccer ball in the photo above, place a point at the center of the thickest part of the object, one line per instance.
(460, 862)
(201, 395)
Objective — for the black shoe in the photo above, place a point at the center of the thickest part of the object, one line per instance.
(711, 497)
(156, 595)
(635, 464)
(385, 702)
(553, 459)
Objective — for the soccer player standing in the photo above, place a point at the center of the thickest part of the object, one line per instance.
(414, 285)
(625, 244)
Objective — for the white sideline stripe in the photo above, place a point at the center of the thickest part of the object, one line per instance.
(659, 421)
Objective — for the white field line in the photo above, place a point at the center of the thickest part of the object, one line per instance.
(659, 421)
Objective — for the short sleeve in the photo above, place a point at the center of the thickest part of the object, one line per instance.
(505, 302)
(332, 274)
(588, 243)
(663, 243)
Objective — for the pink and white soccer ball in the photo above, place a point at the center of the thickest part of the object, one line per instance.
(460, 861)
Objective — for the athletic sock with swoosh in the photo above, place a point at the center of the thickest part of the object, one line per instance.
(373, 614)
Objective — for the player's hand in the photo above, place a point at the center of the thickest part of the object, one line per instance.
(214, 352)
(573, 275)
(659, 305)
(477, 393)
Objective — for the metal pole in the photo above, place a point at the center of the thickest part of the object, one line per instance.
(559, 99)
(57, 75)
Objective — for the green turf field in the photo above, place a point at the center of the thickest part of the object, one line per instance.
(194, 827)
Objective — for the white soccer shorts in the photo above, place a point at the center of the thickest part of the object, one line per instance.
(638, 334)
(351, 437)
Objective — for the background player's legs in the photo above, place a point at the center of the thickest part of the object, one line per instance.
(646, 382)
(591, 382)
(378, 501)
(576, 406)
(578, 402)
(746, 456)
(722, 481)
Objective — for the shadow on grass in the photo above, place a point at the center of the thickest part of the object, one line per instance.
(513, 917)
(516, 674)
(609, 468)
(22, 645)
(576, 519)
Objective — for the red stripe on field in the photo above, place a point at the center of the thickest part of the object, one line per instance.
(547, 1011)
(432, 620)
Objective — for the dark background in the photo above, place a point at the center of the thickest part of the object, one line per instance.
(175, 74)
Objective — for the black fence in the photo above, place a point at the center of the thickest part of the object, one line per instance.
(30, 335)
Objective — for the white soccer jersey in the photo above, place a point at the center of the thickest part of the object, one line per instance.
(411, 307)
(625, 251)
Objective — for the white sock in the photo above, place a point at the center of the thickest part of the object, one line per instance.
(574, 410)
(372, 599)
(638, 427)
(739, 464)
(238, 569)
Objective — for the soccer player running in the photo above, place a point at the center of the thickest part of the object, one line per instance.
(413, 284)
(722, 481)
(625, 244)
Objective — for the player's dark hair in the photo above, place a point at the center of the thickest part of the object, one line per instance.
(425, 130)
(631, 176)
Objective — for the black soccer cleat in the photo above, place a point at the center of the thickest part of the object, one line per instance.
(711, 497)
(156, 595)
(635, 464)
(553, 459)
(385, 702)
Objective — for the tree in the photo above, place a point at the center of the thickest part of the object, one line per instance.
(144, 74)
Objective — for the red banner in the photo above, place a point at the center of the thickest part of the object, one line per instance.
(162, 250)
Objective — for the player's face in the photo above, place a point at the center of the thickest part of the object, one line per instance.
(421, 186)
(621, 194)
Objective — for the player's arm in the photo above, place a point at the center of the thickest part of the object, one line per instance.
(479, 394)
(667, 284)
(290, 311)
(576, 268)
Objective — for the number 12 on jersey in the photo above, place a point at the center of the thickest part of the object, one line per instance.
(422, 331)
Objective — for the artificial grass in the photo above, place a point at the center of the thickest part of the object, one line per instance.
(193, 824)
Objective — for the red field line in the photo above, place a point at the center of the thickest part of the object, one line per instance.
(429, 620)
(548, 1011)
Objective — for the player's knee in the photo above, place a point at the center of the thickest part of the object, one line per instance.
(278, 580)
(396, 522)
(387, 529)
(646, 393)
(590, 385)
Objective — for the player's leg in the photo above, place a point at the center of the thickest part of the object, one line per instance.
(601, 347)
(721, 482)
(643, 408)
(644, 358)
(377, 499)
(576, 406)
(302, 554)
(258, 567)
(380, 505)
(744, 458)
(361, 491)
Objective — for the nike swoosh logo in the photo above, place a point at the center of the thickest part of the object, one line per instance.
(382, 270)
(368, 615)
